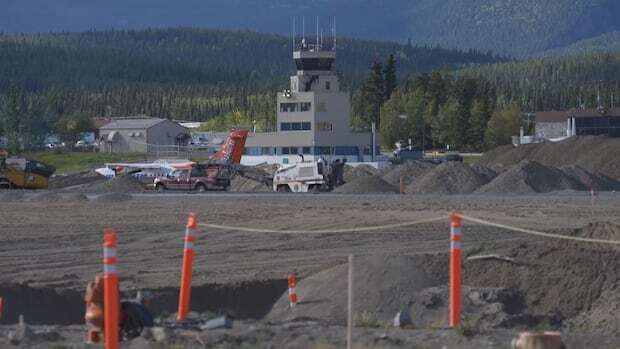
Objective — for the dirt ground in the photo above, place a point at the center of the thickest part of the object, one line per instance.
(55, 246)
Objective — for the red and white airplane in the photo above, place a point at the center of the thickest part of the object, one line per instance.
(230, 153)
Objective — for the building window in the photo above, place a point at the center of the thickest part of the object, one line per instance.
(306, 126)
(327, 85)
(347, 150)
(266, 151)
(285, 126)
(305, 106)
(324, 126)
(306, 150)
(289, 107)
(286, 150)
(296, 126)
(293, 151)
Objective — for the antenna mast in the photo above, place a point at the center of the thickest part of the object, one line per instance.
(303, 32)
(317, 34)
(294, 33)
(334, 33)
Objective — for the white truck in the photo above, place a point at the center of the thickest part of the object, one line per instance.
(308, 176)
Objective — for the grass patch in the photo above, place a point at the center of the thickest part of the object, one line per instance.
(71, 162)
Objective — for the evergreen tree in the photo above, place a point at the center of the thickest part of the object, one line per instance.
(371, 98)
(389, 77)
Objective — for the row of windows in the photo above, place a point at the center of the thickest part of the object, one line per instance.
(339, 150)
(295, 107)
(295, 126)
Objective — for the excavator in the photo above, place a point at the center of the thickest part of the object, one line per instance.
(16, 172)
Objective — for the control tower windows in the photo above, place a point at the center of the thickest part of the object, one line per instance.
(295, 126)
(327, 85)
(323, 64)
(295, 107)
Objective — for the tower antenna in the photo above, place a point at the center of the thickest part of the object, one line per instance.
(303, 32)
(294, 33)
(334, 33)
(317, 33)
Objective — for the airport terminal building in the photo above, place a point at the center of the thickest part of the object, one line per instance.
(313, 118)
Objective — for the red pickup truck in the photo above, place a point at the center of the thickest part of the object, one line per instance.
(199, 178)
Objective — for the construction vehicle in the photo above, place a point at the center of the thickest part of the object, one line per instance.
(23, 173)
(309, 176)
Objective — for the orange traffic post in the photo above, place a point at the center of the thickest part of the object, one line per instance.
(455, 270)
(1, 307)
(186, 272)
(292, 285)
(110, 290)
(402, 184)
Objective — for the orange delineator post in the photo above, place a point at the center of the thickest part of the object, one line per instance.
(1, 307)
(110, 290)
(455, 270)
(292, 293)
(402, 184)
(186, 272)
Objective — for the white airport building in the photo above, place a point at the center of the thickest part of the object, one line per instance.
(313, 119)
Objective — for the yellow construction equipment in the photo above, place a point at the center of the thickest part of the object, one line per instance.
(23, 173)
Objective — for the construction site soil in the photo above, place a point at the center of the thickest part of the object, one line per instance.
(50, 249)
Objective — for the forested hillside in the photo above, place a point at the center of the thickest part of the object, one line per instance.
(188, 74)
(515, 27)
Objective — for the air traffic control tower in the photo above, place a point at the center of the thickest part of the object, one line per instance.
(313, 115)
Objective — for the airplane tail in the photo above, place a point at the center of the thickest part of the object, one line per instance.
(232, 150)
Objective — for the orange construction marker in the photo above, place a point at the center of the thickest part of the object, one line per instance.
(110, 290)
(402, 184)
(1, 307)
(455, 270)
(186, 272)
(292, 293)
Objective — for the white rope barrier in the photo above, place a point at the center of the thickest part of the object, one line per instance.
(539, 233)
(325, 231)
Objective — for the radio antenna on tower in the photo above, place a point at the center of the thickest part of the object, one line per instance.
(334, 33)
(294, 33)
(317, 33)
(303, 32)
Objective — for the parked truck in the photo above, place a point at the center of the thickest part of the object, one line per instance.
(16, 172)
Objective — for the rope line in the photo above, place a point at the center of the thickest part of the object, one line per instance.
(539, 233)
(324, 231)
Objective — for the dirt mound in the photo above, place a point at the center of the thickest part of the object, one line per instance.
(597, 154)
(590, 180)
(557, 278)
(449, 178)
(409, 170)
(119, 184)
(113, 198)
(531, 177)
(247, 185)
(383, 286)
(366, 185)
(354, 173)
(85, 177)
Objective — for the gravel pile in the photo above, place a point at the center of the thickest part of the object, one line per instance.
(450, 178)
(366, 185)
(532, 177)
(354, 173)
(85, 177)
(590, 180)
(119, 184)
(242, 184)
(383, 286)
(409, 170)
(596, 154)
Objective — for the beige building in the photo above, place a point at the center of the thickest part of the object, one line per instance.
(313, 117)
(142, 135)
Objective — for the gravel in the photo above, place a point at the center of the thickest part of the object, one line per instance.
(366, 185)
(450, 178)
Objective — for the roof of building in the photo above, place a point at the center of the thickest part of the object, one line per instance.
(132, 123)
(562, 116)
